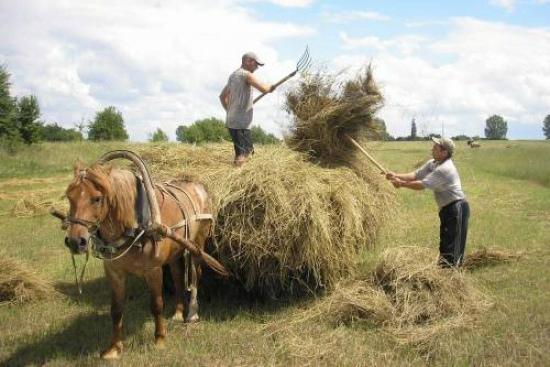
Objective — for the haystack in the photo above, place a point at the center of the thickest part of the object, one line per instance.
(407, 294)
(284, 225)
(324, 110)
(19, 283)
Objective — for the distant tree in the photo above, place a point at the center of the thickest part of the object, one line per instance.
(8, 108)
(461, 137)
(201, 131)
(158, 136)
(107, 125)
(546, 127)
(54, 132)
(496, 128)
(413, 129)
(27, 114)
(259, 136)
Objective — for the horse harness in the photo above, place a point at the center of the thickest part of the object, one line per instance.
(134, 237)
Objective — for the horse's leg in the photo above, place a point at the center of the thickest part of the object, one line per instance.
(153, 277)
(177, 269)
(117, 281)
(194, 275)
(193, 305)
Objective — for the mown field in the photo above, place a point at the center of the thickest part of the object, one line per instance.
(508, 187)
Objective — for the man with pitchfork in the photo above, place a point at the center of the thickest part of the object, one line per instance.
(440, 175)
(236, 99)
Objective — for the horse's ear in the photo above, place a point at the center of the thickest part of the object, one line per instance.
(78, 167)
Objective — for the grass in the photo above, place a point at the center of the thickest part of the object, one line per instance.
(507, 184)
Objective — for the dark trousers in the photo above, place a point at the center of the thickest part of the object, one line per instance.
(242, 141)
(453, 232)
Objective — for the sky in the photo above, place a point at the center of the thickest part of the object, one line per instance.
(162, 64)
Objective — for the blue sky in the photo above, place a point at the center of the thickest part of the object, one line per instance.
(162, 63)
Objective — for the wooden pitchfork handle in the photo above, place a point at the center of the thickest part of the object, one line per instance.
(371, 158)
(275, 85)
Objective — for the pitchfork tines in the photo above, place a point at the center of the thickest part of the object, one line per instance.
(303, 63)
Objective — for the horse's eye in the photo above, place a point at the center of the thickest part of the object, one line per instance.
(96, 200)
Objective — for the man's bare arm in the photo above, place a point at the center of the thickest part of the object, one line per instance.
(224, 97)
(262, 87)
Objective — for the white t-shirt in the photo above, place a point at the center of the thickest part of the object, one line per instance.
(443, 179)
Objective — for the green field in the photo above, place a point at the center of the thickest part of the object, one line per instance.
(508, 187)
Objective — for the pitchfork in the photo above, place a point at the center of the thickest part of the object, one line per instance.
(303, 63)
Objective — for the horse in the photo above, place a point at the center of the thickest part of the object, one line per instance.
(103, 202)
(473, 144)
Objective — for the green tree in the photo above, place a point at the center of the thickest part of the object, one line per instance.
(201, 131)
(27, 114)
(158, 136)
(54, 132)
(496, 128)
(8, 108)
(107, 125)
(413, 129)
(259, 136)
(546, 127)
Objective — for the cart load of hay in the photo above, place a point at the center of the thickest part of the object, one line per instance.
(285, 224)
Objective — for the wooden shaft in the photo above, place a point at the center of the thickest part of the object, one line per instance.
(276, 85)
(371, 158)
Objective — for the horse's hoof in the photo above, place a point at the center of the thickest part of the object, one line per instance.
(192, 319)
(178, 316)
(160, 343)
(113, 352)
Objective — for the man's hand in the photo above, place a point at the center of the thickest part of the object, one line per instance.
(397, 183)
(390, 175)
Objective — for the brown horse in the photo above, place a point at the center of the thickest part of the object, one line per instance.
(103, 209)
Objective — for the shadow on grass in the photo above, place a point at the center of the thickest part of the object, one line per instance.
(90, 332)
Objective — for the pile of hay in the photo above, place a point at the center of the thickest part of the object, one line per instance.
(324, 110)
(284, 225)
(407, 294)
(18, 283)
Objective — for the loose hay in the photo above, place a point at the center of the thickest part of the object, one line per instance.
(18, 283)
(284, 225)
(490, 256)
(324, 110)
(407, 294)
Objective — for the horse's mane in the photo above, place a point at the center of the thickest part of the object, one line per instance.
(119, 189)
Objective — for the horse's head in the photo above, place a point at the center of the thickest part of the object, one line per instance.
(89, 195)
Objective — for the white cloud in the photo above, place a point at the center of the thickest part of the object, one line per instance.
(161, 65)
(348, 16)
(292, 3)
(507, 5)
(487, 68)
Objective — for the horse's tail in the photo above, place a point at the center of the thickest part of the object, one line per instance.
(214, 264)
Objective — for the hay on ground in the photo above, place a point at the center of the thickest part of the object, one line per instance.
(284, 225)
(407, 294)
(18, 283)
(490, 256)
(324, 109)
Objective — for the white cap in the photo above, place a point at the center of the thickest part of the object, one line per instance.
(253, 56)
(446, 143)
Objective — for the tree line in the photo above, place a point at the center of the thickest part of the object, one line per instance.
(20, 124)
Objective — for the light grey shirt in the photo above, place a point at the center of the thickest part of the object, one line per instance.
(239, 109)
(443, 179)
